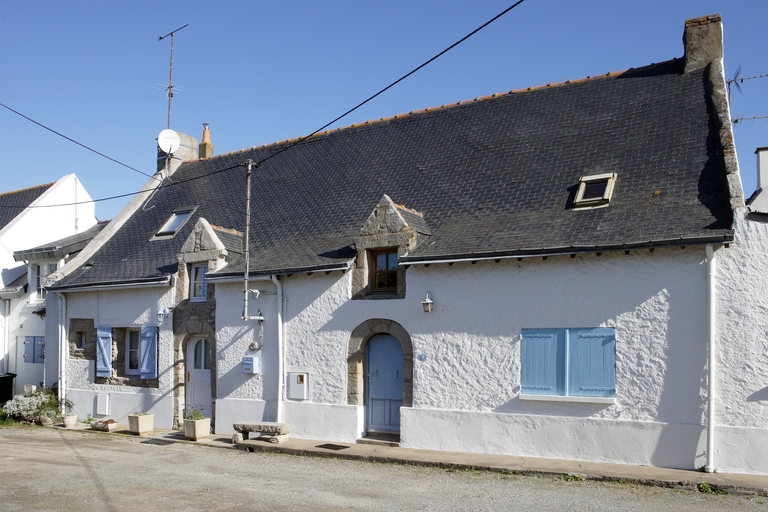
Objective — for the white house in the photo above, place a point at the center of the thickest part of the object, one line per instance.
(567, 271)
(31, 217)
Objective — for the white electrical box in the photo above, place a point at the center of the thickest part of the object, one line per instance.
(250, 364)
(298, 386)
(102, 404)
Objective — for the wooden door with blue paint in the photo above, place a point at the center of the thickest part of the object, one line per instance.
(384, 383)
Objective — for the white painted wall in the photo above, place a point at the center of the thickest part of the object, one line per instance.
(742, 347)
(471, 376)
(36, 226)
(123, 308)
(31, 228)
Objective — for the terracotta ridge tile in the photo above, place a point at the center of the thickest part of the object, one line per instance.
(27, 189)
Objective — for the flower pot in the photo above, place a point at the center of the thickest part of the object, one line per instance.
(69, 420)
(197, 429)
(104, 427)
(141, 424)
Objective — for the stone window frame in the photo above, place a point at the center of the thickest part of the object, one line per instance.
(79, 327)
(361, 272)
(356, 358)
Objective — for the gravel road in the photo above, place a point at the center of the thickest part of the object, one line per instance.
(48, 469)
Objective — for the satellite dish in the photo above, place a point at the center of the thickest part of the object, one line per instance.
(168, 141)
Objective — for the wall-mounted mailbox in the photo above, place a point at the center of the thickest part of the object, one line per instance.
(298, 386)
(251, 364)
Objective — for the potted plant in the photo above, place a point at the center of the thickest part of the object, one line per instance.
(196, 426)
(109, 425)
(141, 423)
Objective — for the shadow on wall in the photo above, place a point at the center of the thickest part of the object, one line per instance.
(759, 396)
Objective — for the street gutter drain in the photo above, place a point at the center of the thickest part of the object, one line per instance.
(158, 442)
(329, 446)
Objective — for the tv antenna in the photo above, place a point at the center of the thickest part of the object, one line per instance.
(737, 80)
(169, 89)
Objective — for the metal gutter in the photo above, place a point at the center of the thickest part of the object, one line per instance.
(235, 278)
(117, 286)
(566, 250)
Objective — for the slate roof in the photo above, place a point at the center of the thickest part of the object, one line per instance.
(13, 203)
(490, 176)
(63, 247)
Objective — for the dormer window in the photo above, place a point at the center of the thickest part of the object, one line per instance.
(174, 222)
(595, 190)
(384, 271)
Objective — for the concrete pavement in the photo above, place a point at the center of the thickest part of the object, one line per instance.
(384, 452)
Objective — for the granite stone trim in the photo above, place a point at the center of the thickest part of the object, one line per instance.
(76, 350)
(356, 358)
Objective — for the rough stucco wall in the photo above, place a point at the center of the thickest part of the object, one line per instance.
(742, 325)
(656, 301)
(234, 337)
(123, 308)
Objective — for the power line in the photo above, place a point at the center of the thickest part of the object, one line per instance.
(73, 140)
(282, 150)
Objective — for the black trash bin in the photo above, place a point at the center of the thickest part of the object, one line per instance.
(6, 387)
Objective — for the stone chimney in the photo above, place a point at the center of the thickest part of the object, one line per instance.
(703, 41)
(187, 151)
(206, 147)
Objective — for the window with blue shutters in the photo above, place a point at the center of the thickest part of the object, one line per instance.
(569, 362)
(34, 349)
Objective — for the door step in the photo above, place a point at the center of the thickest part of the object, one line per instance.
(380, 439)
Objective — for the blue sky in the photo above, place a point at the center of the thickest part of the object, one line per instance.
(260, 72)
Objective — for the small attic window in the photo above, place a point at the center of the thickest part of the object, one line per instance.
(174, 222)
(595, 190)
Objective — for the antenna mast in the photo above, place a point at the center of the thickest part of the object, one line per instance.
(169, 89)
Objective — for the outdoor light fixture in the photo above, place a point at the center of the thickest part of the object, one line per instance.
(161, 315)
(427, 303)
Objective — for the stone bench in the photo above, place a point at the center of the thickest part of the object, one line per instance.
(271, 431)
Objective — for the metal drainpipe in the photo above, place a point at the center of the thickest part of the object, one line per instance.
(62, 348)
(7, 338)
(711, 275)
(280, 384)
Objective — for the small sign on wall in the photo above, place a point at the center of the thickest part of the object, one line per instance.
(251, 364)
(298, 386)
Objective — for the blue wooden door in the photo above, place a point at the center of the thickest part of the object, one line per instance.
(385, 383)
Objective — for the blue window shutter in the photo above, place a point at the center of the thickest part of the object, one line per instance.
(39, 348)
(148, 353)
(29, 349)
(543, 362)
(592, 362)
(104, 352)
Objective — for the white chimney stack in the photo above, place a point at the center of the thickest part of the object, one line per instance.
(759, 201)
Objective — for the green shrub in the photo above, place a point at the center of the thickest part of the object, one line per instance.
(36, 407)
(195, 414)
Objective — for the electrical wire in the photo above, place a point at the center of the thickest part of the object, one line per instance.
(274, 154)
(73, 140)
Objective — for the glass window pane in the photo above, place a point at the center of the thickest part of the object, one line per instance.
(381, 261)
(381, 279)
(594, 189)
(392, 279)
(133, 350)
(206, 355)
(198, 355)
(392, 261)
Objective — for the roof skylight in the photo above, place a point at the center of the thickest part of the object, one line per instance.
(174, 222)
(595, 190)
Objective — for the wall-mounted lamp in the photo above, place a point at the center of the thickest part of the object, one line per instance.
(427, 303)
(162, 315)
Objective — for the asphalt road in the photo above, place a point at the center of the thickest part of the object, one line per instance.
(48, 469)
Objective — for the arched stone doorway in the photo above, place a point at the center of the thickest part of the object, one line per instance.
(186, 331)
(356, 358)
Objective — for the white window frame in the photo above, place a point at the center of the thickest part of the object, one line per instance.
(128, 369)
(37, 275)
(595, 202)
(193, 280)
(165, 230)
